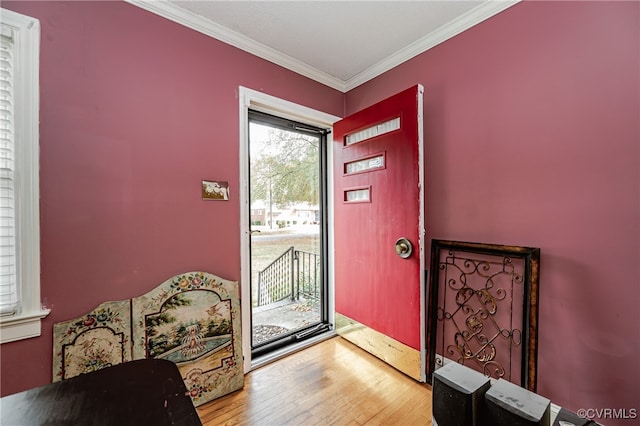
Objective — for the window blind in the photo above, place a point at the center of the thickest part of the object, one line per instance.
(9, 297)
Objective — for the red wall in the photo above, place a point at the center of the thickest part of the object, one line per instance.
(135, 112)
(532, 138)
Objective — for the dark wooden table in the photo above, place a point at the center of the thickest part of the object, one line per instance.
(142, 392)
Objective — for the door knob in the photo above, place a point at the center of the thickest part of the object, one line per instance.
(404, 248)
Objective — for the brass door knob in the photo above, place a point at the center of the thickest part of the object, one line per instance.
(403, 247)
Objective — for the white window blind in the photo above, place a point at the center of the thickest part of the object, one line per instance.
(9, 297)
(21, 311)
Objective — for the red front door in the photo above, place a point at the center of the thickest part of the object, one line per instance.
(379, 280)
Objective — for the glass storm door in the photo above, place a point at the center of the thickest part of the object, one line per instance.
(287, 199)
(379, 231)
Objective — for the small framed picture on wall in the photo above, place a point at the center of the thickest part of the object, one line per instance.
(215, 190)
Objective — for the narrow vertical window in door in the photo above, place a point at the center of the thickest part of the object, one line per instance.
(287, 218)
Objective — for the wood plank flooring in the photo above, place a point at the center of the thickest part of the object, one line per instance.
(331, 383)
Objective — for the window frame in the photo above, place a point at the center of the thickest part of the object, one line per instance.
(26, 322)
(274, 121)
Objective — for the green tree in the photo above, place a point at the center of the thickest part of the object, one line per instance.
(157, 320)
(177, 301)
(285, 168)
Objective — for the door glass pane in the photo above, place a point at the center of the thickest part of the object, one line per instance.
(373, 131)
(354, 195)
(371, 163)
(285, 193)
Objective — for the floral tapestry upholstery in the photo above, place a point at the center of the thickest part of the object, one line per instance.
(192, 319)
(99, 339)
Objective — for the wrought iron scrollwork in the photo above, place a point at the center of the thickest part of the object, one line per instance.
(480, 288)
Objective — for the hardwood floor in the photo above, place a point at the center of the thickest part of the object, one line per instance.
(331, 383)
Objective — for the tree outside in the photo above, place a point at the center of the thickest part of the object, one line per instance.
(285, 199)
(284, 168)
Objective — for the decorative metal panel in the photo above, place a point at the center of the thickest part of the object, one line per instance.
(486, 314)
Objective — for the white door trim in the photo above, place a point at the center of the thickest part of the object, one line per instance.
(260, 101)
(424, 349)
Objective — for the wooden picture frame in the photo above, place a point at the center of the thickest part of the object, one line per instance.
(472, 310)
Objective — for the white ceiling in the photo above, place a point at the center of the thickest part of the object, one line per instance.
(339, 43)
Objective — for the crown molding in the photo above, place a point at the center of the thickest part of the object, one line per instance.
(442, 34)
(205, 26)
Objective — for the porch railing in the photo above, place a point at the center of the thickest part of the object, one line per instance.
(307, 270)
(294, 274)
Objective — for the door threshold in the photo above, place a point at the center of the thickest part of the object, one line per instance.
(290, 349)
